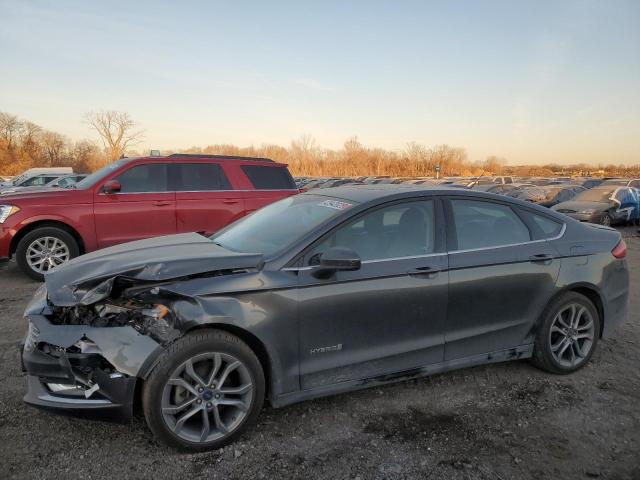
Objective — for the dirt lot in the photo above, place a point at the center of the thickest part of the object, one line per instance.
(503, 421)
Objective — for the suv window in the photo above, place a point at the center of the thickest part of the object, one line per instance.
(481, 224)
(198, 177)
(401, 230)
(144, 179)
(269, 178)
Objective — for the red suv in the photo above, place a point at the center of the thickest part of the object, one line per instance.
(136, 198)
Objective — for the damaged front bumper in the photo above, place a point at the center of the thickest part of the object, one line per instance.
(81, 368)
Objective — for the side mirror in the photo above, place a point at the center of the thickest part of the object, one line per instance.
(112, 186)
(337, 259)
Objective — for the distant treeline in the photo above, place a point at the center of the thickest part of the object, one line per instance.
(24, 144)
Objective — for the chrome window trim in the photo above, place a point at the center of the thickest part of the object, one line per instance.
(560, 235)
(557, 237)
(391, 259)
(200, 191)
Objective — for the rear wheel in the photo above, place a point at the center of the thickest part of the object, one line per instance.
(606, 220)
(45, 249)
(207, 388)
(568, 335)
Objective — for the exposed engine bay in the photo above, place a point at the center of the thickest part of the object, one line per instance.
(155, 320)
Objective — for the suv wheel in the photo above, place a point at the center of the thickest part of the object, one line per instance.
(44, 249)
(205, 390)
(568, 334)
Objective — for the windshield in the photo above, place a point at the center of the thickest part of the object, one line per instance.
(279, 225)
(601, 195)
(98, 175)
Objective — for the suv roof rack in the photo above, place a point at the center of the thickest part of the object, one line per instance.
(221, 157)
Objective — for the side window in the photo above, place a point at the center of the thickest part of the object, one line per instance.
(401, 230)
(549, 228)
(482, 224)
(144, 179)
(269, 178)
(198, 177)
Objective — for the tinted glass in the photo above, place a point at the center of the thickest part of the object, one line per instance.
(402, 230)
(550, 228)
(485, 224)
(279, 225)
(269, 178)
(197, 177)
(98, 175)
(144, 178)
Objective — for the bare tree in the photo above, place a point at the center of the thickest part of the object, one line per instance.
(54, 148)
(10, 129)
(117, 131)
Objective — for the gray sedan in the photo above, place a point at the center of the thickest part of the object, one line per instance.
(317, 294)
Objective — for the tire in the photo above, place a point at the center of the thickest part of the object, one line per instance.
(162, 400)
(606, 220)
(45, 237)
(562, 352)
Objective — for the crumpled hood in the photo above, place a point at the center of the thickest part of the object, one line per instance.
(90, 278)
(578, 206)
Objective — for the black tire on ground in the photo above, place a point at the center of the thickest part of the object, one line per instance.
(606, 220)
(40, 233)
(543, 356)
(198, 343)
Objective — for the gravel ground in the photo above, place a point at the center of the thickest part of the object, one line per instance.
(502, 421)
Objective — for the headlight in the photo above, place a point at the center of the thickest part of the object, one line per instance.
(588, 211)
(6, 211)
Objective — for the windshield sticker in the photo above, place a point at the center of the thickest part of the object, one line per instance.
(335, 204)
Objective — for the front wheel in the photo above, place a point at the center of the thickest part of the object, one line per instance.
(44, 249)
(206, 389)
(568, 334)
(606, 220)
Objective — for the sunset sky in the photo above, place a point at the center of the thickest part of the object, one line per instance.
(534, 82)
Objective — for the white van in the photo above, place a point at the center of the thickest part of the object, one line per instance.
(32, 172)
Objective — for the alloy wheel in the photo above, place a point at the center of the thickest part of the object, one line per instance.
(46, 253)
(207, 397)
(571, 335)
(606, 221)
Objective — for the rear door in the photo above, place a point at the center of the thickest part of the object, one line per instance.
(143, 208)
(502, 274)
(206, 200)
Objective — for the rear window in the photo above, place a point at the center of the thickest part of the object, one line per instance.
(548, 228)
(200, 177)
(269, 178)
(481, 224)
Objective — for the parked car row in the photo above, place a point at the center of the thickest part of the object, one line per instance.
(132, 199)
(616, 200)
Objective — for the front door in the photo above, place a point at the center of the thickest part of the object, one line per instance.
(389, 315)
(143, 208)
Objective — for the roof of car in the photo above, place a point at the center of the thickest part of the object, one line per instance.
(368, 192)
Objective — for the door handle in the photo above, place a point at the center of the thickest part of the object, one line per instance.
(428, 272)
(161, 204)
(230, 202)
(541, 258)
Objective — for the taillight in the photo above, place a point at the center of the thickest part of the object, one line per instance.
(620, 250)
